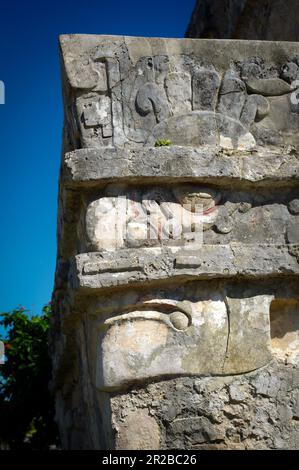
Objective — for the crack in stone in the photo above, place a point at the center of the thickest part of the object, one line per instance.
(228, 329)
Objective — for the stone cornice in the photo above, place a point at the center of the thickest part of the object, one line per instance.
(95, 167)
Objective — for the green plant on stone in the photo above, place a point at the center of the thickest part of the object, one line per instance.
(162, 143)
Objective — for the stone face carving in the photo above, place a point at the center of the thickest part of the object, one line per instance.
(177, 270)
(150, 217)
(188, 213)
(168, 337)
(176, 97)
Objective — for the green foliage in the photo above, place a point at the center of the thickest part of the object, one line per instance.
(26, 406)
(163, 143)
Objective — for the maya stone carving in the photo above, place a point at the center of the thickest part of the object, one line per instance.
(150, 216)
(182, 98)
(177, 267)
(169, 337)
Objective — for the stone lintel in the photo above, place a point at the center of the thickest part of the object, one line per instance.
(91, 167)
(95, 271)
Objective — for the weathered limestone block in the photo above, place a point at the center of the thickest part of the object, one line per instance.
(176, 290)
(87, 167)
(139, 431)
(236, 412)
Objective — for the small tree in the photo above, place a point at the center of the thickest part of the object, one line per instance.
(26, 405)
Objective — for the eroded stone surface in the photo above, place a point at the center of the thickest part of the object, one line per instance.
(138, 431)
(253, 411)
(284, 316)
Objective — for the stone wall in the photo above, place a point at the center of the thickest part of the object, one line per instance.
(270, 20)
(253, 411)
(176, 298)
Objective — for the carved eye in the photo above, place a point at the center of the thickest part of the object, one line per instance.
(179, 320)
(165, 312)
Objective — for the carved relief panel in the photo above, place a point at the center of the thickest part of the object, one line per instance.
(187, 215)
(126, 99)
(150, 216)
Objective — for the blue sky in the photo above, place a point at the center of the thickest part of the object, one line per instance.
(31, 124)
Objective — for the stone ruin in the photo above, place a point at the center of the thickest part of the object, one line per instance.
(176, 302)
